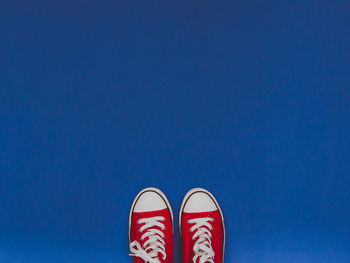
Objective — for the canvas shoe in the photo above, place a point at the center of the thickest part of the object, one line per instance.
(202, 229)
(151, 228)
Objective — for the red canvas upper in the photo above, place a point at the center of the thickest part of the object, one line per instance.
(168, 232)
(217, 240)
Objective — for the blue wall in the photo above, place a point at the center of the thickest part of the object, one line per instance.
(249, 99)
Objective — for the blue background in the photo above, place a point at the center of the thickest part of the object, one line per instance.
(250, 99)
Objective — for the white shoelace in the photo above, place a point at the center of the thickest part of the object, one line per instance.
(155, 243)
(202, 248)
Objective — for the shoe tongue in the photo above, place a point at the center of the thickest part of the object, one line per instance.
(158, 256)
(198, 261)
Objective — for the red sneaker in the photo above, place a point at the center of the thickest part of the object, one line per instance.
(202, 228)
(151, 228)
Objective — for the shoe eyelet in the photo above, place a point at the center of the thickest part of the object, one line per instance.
(212, 220)
(188, 221)
(164, 228)
(139, 231)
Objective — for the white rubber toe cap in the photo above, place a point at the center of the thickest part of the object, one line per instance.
(199, 201)
(149, 200)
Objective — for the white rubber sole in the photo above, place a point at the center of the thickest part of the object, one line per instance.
(137, 197)
(188, 194)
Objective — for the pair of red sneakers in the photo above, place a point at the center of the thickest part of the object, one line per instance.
(201, 225)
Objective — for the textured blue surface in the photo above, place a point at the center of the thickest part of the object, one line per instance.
(249, 99)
